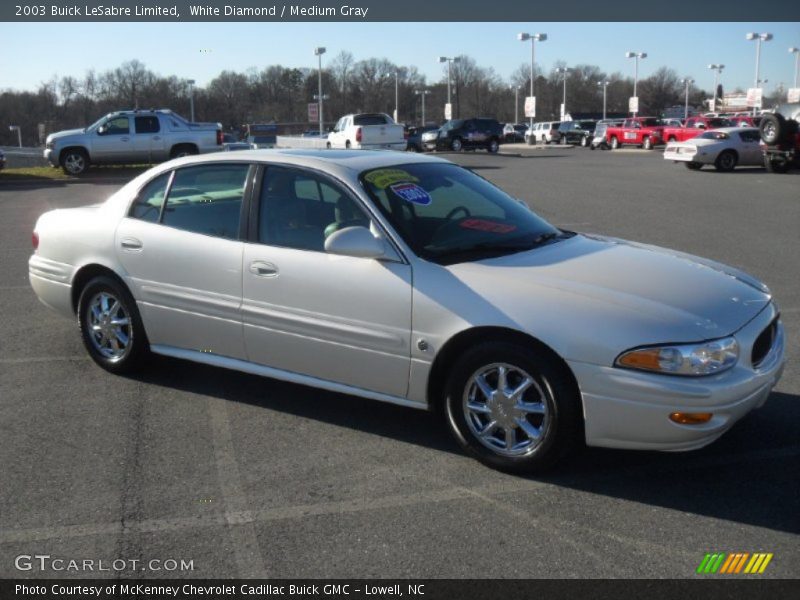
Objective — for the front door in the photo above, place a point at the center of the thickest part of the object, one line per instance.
(112, 141)
(337, 318)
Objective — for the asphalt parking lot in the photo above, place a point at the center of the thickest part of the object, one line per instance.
(251, 477)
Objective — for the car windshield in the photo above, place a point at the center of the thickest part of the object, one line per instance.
(447, 214)
(454, 124)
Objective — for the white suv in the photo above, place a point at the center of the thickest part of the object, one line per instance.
(541, 132)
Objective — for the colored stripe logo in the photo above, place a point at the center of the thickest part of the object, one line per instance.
(734, 563)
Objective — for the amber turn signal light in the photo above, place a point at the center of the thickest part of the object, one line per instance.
(690, 418)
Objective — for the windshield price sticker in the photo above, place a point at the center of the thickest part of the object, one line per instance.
(490, 226)
(383, 178)
(411, 192)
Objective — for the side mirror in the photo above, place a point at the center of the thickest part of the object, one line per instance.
(355, 241)
(700, 126)
(101, 130)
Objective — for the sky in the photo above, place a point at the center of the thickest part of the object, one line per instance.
(35, 52)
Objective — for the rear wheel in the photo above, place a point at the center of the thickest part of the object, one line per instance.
(456, 145)
(183, 150)
(347, 144)
(514, 408)
(110, 325)
(492, 147)
(694, 166)
(774, 129)
(647, 143)
(585, 141)
(726, 161)
(775, 165)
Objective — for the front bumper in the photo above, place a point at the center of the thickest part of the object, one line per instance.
(630, 409)
(51, 156)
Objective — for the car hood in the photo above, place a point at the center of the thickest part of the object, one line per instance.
(66, 133)
(635, 293)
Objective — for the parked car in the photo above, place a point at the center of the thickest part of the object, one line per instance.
(780, 136)
(542, 133)
(2, 160)
(514, 133)
(672, 122)
(414, 137)
(468, 134)
(599, 140)
(230, 143)
(445, 294)
(645, 132)
(367, 131)
(576, 132)
(694, 126)
(725, 148)
(311, 133)
(129, 137)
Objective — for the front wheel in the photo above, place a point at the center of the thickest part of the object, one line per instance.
(111, 327)
(647, 143)
(75, 161)
(614, 143)
(456, 145)
(513, 408)
(584, 141)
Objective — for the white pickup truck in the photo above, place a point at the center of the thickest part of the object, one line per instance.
(130, 137)
(367, 131)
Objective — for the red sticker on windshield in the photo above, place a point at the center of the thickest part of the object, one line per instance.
(490, 226)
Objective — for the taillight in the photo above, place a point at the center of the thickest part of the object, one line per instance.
(35, 240)
(358, 134)
(219, 137)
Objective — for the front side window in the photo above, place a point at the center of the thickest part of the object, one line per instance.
(147, 206)
(447, 214)
(117, 126)
(207, 199)
(300, 210)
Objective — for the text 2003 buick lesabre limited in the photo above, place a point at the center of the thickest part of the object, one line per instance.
(411, 280)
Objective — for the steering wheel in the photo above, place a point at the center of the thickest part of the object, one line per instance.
(456, 210)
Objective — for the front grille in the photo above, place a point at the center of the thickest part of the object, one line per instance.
(763, 343)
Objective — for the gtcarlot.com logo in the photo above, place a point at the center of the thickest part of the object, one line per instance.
(734, 563)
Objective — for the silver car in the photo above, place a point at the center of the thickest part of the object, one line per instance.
(411, 280)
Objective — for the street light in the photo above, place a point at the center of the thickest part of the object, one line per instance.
(604, 83)
(796, 52)
(533, 37)
(449, 60)
(19, 133)
(191, 83)
(637, 56)
(564, 71)
(396, 95)
(686, 83)
(422, 93)
(318, 52)
(717, 70)
(758, 37)
(516, 89)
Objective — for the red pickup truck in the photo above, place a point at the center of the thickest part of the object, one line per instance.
(640, 131)
(693, 127)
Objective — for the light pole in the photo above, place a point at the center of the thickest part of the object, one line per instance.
(19, 133)
(191, 83)
(758, 37)
(717, 70)
(318, 52)
(533, 37)
(449, 60)
(686, 83)
(796, 52)
(516, 89)
(636, 56)
(422, 93)
(564, 71)
(604, 83)
(396, 95)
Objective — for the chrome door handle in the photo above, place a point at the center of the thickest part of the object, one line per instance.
(131, 244)
(263, 269)
(156, 137)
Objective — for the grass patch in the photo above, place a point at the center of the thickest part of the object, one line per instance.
(56, 174)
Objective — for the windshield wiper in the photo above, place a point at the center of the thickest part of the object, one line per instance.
(492, 247)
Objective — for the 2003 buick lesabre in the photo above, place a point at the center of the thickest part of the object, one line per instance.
(411, 280)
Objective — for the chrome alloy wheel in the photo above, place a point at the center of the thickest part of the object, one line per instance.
(75, 163)
(108, 326)
(506, 410)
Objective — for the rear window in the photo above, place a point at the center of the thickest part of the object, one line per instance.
(651, 122)
(376, 119)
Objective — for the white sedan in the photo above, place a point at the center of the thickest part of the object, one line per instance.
(725, 148)
(408, 279)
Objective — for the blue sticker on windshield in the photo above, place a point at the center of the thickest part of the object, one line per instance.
(410, 192)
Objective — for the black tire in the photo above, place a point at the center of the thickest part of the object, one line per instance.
(726, 161)
(74, 161)
(693, 166)
(456, 145)
(109, 358)
(672, 138)
(773, 129)
(183, 150)
(328, 145)
(347, 144)
(614, 143)
(584, 141)
(775, 165)
(647, 143)
(493, 146)
(553, 389)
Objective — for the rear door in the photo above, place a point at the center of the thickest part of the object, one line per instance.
(148, 140)
(183, 257)
(749, 147)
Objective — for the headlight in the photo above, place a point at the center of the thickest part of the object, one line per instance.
(705, 358)
(49, 145)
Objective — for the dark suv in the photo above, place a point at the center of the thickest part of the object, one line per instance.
(466, 134)
(576, 132)
(780, 138)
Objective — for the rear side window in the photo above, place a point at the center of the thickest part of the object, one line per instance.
(207, 199)
(147, 125)
(147, 205)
